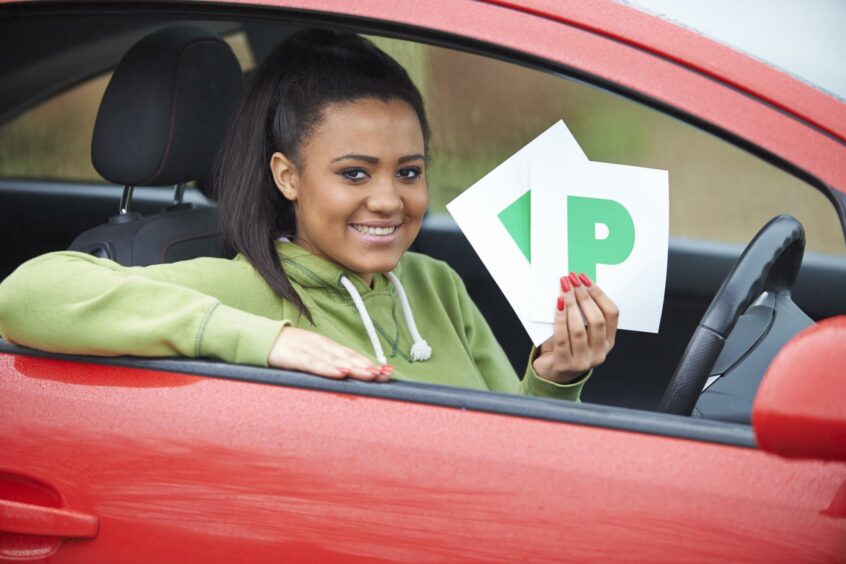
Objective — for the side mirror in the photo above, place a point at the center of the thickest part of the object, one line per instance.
(800, 408)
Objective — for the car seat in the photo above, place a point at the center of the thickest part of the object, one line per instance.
(160, 123)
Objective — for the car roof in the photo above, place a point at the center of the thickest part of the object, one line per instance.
(805, 39)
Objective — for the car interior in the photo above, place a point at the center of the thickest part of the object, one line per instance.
(157, 208)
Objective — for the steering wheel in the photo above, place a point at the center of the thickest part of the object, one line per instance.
(769, 263)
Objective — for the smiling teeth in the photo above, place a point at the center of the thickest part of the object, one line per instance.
(366, 230)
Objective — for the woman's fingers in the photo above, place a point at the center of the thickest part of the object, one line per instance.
(594, 317)
(354, 363)
(560, 332)
(326, 369)
(609, 310)
(576, 326)
(299, 349)
(583, 332)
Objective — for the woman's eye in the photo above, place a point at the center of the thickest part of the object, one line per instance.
(410, 173)
(354, 174)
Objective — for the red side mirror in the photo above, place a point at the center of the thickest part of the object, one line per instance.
(800, 407)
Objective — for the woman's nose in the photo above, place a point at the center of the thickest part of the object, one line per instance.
(384, 197)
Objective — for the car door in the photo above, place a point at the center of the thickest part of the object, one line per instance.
(172, 467)
(167, 460)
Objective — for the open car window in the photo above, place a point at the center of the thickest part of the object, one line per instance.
(483, 109)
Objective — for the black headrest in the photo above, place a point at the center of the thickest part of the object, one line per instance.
(165, 110)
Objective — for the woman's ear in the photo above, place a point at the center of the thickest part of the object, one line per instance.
(285, 176)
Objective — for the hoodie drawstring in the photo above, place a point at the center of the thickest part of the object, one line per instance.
(365, 318)
(420, 350)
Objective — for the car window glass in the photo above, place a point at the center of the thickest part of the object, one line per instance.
(483, 110)
(52, 140)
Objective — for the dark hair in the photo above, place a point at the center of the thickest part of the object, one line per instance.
(308, 71)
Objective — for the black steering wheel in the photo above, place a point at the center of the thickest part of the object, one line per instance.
(769, 263)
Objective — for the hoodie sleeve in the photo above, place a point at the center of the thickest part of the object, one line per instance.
(70, 302)
(494, 366)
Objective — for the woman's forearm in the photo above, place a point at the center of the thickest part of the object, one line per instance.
(73, 303)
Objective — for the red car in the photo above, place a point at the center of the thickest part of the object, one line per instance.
(177, 460)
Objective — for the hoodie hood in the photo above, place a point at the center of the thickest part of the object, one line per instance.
(311, 271)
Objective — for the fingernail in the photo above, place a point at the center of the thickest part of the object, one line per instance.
(575, 280)
(344, 371)
(584, 278)
(386, 369)
(560, 304)
(565, 284)
(374, 370)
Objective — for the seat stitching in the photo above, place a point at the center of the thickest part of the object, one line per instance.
(173, 110)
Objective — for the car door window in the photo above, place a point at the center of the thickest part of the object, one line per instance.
(482, 110)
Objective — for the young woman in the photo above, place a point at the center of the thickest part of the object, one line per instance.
(322, 189)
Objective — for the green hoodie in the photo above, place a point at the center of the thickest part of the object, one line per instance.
(71, 302)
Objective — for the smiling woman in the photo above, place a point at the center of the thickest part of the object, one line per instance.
(322, 189)
(362, 209)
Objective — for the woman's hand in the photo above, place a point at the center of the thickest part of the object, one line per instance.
(307, 351)
(574, 348)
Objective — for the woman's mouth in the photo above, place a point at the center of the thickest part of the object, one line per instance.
(378, 235)
(376, 231)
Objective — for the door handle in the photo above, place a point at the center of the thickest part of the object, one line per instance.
(29, 519)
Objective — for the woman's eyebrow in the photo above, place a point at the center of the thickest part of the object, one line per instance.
(355, 157)
(375, 160)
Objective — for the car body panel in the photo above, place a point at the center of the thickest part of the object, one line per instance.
(177, 467)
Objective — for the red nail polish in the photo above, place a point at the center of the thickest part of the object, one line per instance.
(565, 284)
(560, 304)
(584, 278)
(575, 280)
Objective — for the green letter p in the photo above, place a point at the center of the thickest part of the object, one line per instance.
(585, 246)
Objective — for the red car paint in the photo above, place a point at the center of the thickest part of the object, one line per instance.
(784, 410)
(163, 467)
(183, 468)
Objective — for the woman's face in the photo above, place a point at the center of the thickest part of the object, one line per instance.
(361, 192)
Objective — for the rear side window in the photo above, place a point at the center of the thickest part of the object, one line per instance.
(52, 141)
